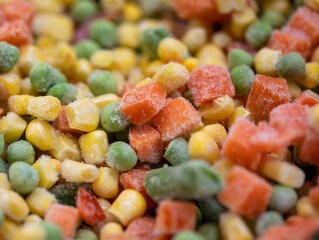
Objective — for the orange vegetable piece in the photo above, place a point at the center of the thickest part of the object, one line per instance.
(147, 143)
(314, 194)
(143, 103)
(245, 193)
(65, 217)
(141, 228)
(176, 119)
(1, 111)
(16, 32)
(310, 145)
(175, 216)
(209, 82)
(18, 10)
(266, 94)
(307, 97)
(61, 123)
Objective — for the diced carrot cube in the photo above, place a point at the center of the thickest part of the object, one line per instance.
(310, 145)
(61, 123)
(141, 228)
(143, 103)
(147, 143)
(175, 216)
(176, 119)
(307, 97)
(209, 82)
(18, 10)
(266, 94)
(245, 193)
(65, 217)
(16, 32)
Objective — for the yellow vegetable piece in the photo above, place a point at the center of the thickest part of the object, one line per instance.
(194, 38)
(84, 91)
(33, 218)
(170, 49)
(46, 107)
(281, 6)
(81, 69)
(4, 181)
(220, 109)
(227, 6)
(135, 76)
(293, 89)
(153, 67)
(48, 6)
(73, 171)
(125, 59)
(19, 104)
(306, 208)
(241, 20)
(40, 200)
(211, 51)
(128, 29)
(223, 167)
(109, 229)
(313, 116)
(311, 79)
(65, 57)
(191, 63)
(112, 5)
(102, 59)
(12, 127)
(47, 173)
(266, 60)
(8, 228)
(106, 205)
(106, 184)
(9, 85)
(29, 231)
(29, 55)
(216, 131)
(144, 82)
(239, 112)
(103, 100)
(132, 12)
(26, 87)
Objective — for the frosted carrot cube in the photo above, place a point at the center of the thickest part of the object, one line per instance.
(143, 103)
(245, 193)
(307, 97)
(18, 10)
(176, 119)
(209, 82)
(310, 145)
(142, 228)
(266, 94)
(16, 32)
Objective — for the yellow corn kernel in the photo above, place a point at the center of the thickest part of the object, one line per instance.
(103, 100)
(102, 59)
(216, 131)
(293, 89)
(132, 12)
(210, 51)
(84, 91)
(46, 42)
(281, 6)
(46, 107)
(106, 184)
(170, 49)
(223, 167)
(19, 104)
(26, 87)
(57, 26)
(112, 5)
(29, 55)
(12, 127)
(191, 63)
(120, 80)
(266, 60)
(305, 208)
(311, 79)
(66, 147)
(172, 76)
(227, 6)
(215, 61)
(313, 116)
(240, 21)
(65, 58)
(47, 173)
(198, 127)
(283, 173)
(83, 115)
(81, 69)
(40, 200)
(128, 29)
(56, 164)
(239, 112)
(73, 171)
(135, 76)
(233, 227)
(203, 146)
(94, 146)
(8, 228)
(13, 205)
(48, 6)
(40, 134)
(125, 59)
(194, 38)
(106, 205)
(33, 218)
(144, 82)
(4, 181)
(153, 67)
(220, 109)
(29, 231)
(9, 85)
(128, 206)
(152, 23)
(110, 228)
(221, 39)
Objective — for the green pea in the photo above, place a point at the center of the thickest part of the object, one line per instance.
(23, 178)
(101, 82)
(42, 77)
(188, 235)
(291, 66)
(177, 151)
(84, 234)
(1, 217)
(238, 57)
(2, 143)
(121, 156)
(59, 77)
(85, 48)
(52, 231)
(275, 19)
(211, 209)
(191, 180)
(209, 231)
(257, 34)
(20, 151)
(104, 33)
(9, 56)
(65, 92)
(3, 166)
(112, 119)
(267, 220)
(243, 78)
(83, 9)
(282, 198)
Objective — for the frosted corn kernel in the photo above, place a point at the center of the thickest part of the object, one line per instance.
(109, 229)
(223, 167)
(106, 184)
(4, 181)
(194, 38)
(198, 127)
(313, 116)
(221, 39)
(128, 29)
(33, 218)
(19, 104)
(40, 200)
(215, 61)
(65, 57)
(29, 231)
(102, 59)
(73, 171)
(45, 42)
(305, 208)
(144, 82)
(46, 107)
(210, 51)
(8, 228)
(83, 115)
(239, 112)
(29, 55)
(81, 69)
(266, 60)
(120, 80)
(281, 6)
(227, 6)
(26, 87)
(203, 146)
(56, 165)
(48, 6)
(94, 146)
(170, 49)
(135, 76)
(216, 131)
(83, 91)
(132, 12)
(240, 21)
(106, 205)
(9, 85)
(191, 63)
(112, 5)
(293, 89)
(49, 54)
(47, 174)
(311, 79)
(12, 127)
(128, 206)
(125, 59)
(103, 100)
(220, 109)
(153, 67)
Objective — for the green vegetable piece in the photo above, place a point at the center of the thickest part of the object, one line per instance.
(85, 48)
(209, 231)
(177, 152)
(267, 220)
(199, 216)
(42, 77)
(84, 234)
(211, 209)
(23, 178)
(275, 19)
(52, 231)
(257, 34)
(3, 166)
(20, 151)
(282, 198)
(65, 92)
(291, 66)
(59, 77)
(1, 217)
(121, 156)
(191, 180)
(151, 38)
(113, 119)
(104, 33)
(238, 57)
(2, 143)
(83, 9)
(243, 78)
(9, 56)
(101, 82)
(188, 235)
